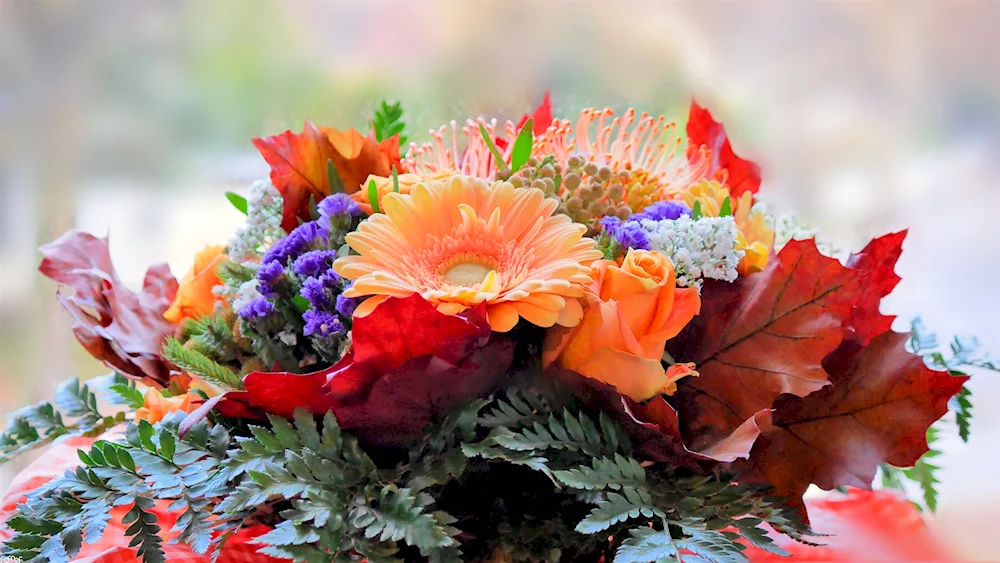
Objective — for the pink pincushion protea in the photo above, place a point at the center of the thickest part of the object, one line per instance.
(462, 242)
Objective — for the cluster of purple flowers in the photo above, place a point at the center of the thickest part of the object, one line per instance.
(631, 234)
(300, 265)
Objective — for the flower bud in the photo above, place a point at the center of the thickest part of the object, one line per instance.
(574, 204)
(604, 173)
(571, 181)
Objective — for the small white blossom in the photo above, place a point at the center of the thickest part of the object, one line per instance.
(699, 249)
(263, 224)
(244, 294)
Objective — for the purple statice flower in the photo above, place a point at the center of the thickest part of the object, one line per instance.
(322, 324)
(307, 236)
(314, 262)
(629, 234)
(258, 308)
(338, 204)
(347, 305)
(317, 291)
(268, 277)
(663, 211)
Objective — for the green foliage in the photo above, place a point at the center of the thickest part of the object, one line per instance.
(388, 121)
(191, 360)
(923, 474)
(238, 201)
(649, 512)
(727, 207)
(152, 464)
(72, 412)
(497, 157)
(521, 151)
(335, 502)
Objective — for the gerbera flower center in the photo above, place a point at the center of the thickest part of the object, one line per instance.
(467, 273)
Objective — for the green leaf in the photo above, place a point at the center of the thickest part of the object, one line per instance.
(696, 212)
(373, 196)
(962, 405)
(645, 545)
(129, 395)
(168, 445)
(497, 157)
(333, 178)
(619, 507)
(238, 201)
(727, 207)
(522, 146)
(146, 432)
(388, 121)
(395, 179)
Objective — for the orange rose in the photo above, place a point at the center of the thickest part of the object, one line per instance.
(635, 308)
(194, 296)
(385, 185)
(155, 406)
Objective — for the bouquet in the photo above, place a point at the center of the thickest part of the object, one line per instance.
(551, 340)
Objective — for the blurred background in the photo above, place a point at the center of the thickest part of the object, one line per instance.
(132, 119)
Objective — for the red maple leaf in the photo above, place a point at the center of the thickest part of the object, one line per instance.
(881, 402)
(408, 366)
(759, 337)
(875, 264)
(123, 329)
(541, 118)
(738, 174)
(299, 164)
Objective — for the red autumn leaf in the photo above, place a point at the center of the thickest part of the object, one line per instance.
(409, 364)
(881, 402)
(759, 337)
(541, 118)
(123, 329)
(875, 264)
(299, 168)
(739, 174)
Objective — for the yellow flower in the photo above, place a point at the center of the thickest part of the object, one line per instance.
(636, 307)
(756, 235)
(462, 242)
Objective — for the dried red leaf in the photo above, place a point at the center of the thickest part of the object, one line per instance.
(875, 264)
(409, 365)
(299, 164)
(739, 174)
(759, 337)
(123, 329)
(881, 402)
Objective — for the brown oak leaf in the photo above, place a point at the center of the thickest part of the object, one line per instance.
(881, 402)
(761, 336)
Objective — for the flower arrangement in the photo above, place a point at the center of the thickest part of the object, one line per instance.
(542, 341)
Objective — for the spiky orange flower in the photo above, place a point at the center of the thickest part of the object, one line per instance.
(461, 242)
(645, 154)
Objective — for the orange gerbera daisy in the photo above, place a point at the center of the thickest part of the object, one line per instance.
(462, 242)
